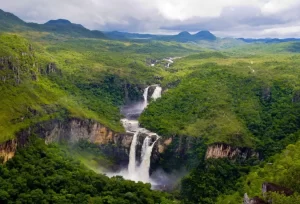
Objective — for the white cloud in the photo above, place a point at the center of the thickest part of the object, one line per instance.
(220, 16)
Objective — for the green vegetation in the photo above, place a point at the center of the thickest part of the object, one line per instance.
(283, 169)
(86, 78)
(46, 174)
(232, 103)
(249, 101)
(245, 96)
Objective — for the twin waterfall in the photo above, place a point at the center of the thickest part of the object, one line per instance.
(139, 170)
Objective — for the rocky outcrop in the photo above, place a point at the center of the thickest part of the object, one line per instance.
(71, 131)
(271, 187)
(151, 91)
(221, 150)
(266, 189)
(255, 200)
(52, 68)
(7, 150)
(163, 144)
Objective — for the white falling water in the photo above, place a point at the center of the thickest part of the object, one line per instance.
(146, 159)
(130, 125)
(146, 97)
(139, 172)
(132, 160)
(145, 146)
(157, 93)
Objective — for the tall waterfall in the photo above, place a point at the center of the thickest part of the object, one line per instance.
(146, 159)
(146, 96)
(139, 171)
(132, 160)
(145, 146)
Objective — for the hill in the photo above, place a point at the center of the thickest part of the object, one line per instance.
(11, 23)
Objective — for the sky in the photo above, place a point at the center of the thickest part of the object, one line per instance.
(224, 18)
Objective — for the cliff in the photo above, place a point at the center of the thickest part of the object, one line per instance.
(71, 131)
(7, 150)
(221, 150)
(113, 144)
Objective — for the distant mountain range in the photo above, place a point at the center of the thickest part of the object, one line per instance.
(269, 40)
(181, 37)
(11, 23)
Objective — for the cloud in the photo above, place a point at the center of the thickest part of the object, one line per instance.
(239, 18)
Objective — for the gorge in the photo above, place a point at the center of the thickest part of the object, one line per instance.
(139, 161)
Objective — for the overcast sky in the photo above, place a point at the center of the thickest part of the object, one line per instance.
(225, 18)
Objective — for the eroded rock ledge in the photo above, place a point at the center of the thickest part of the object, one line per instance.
(7, 150)
(70, 131)
(221, 150)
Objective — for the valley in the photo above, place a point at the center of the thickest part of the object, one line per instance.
(115, 117)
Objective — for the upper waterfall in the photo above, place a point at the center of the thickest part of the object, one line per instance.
(146, 96)
(157, 93)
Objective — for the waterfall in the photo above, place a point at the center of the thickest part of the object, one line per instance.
(146, 96)
(134, 171)
(146, 159)
(146, 144)
(132, 160)
(157, 93)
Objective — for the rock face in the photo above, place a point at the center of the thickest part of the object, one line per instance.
(271, 187)
(266, 188)
(162, 145)
(220, 150)
(255, 200)
(7, 150)
(115, 145)
(71, 131)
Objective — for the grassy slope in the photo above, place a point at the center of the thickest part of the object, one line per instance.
(34, 101)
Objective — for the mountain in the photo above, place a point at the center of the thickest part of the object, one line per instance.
(183, 36)
(9, 22)
(63, 26)
(268, 40)
(116, 35)
(59, 22)
(204, 35)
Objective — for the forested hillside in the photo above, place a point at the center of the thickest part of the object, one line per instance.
(246, 102)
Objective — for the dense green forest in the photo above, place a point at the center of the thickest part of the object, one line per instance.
(47, 174)
(249, 101)
(219, 92)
